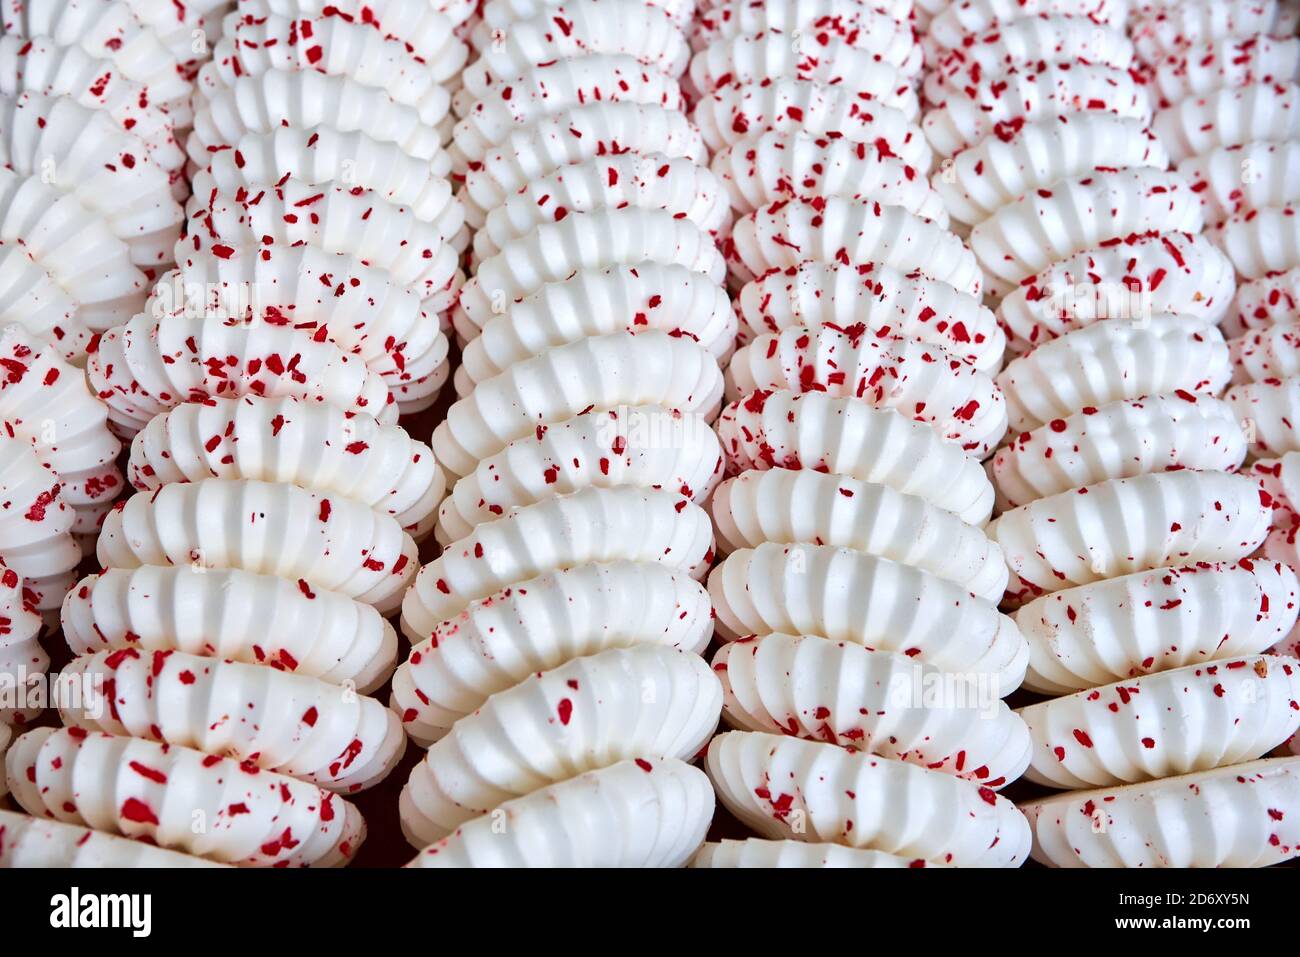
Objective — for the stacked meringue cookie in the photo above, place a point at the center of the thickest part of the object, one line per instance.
(1226, 78)
(58, 477)
(229, 645)
(226, 649)
(322, 183)
(1127, 537)
(555, 675)
(94, 104)
(863, 657)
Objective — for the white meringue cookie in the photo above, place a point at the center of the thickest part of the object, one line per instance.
(1239, 816)
(324, 155)
(786, 104)
(361, 309)
(590, 525)
(1130, 278)
(645, 701)
(268, 529)
(1000, 105)
(643, 446)
(880, 33)
(46, 404)
(773, 166)
(597, 374)
(596, 240)
(1231, 117)
(956, 21)
(533, 626)
(150, 365)
(286, 723)
(638, 813)
(122, 785)
(1112, 361)
(27, 841)
(21, 654)
(109, 172)
(1263, 302)
(1268, 411)
(288, 440)
(850, 596)
(1266, 354)
(998, 170)
(627, 297)
(852, 232)
(881, 298)
(40, 65)
(757, 852)
(871, 701)
(548, 88)
(1158, 725)
(337, 220)
(1038, 38)
(575, 28)
(640, 181)
(302, 100)
(573, 136)
(1226, 62)
(253, 44)
(1121, 628)
(785, 788)
(1077, 213)
(1176, 26)
(846, 436)
(749, 58)
(109, 31)
(1238, 179)
(1119, 440)
(1261, 242)
(233, 615)
(920, 381)
(787, 506)
(35, 525)
(1129, 525)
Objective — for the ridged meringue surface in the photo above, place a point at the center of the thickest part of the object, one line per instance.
(536, 625)
(590, 525)
(871, 701)
(1238, 816)
(846, 436)
(638, 813)
(644, 701)
(850, 596)
(266, 528)
(234, 615)
(286, 723)
(123, 785)
(787, 788)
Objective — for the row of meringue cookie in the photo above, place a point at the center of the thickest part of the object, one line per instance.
(1228, 87)
(262, 516)
(317, 255)
(1121, 572)
(555, 674)
(856, 592)
(322, 204)
(1227, 93)
(94, 108)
